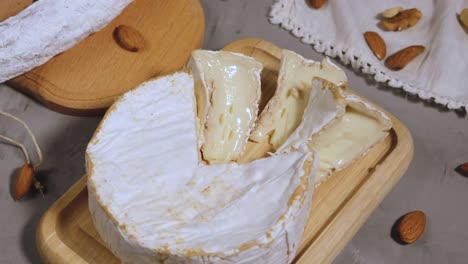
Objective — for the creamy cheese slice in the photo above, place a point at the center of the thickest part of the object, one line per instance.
(227, 88)
(310, 103)
(325, 104)
(284, 111)
(350, 136)
(153, 201)
(341, 127)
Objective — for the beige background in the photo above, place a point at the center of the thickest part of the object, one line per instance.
(431, 184)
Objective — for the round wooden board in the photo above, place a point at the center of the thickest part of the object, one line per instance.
(87, 79)
(10, 8)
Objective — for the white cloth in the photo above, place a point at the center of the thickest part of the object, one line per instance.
(440, 73)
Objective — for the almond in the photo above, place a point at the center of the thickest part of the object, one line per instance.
(376, 44)
(401, 58)
(463, 169)
(129, 38)
(23, 181)
(403, 20)
(391, 12)
(317, 3)
(464, 17)
(411, 227)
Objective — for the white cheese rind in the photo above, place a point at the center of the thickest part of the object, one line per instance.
(152, 201)
(284, 111)
(49, 27)
(227, 88)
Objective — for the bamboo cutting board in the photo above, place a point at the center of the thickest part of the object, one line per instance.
(87, 78)
(341, 205)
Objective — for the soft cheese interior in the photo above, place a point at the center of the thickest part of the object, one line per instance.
(350, 136)
(311, 102)
(284, 111)
(227, 87)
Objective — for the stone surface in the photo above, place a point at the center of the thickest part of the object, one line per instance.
(430, 185)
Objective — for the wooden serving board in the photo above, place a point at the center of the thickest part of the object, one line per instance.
(340, 205)
(87, 78)
(12, 7)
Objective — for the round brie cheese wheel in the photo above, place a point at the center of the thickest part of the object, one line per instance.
(49, 27)
(153, 201)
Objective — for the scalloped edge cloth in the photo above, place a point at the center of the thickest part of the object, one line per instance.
(439, 74)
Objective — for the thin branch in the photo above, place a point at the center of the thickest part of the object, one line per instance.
(19, 145)
(38, 149)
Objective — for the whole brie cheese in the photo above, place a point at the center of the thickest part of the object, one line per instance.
(283, 113)
(227, 88)
(49, 27)
(152, 199)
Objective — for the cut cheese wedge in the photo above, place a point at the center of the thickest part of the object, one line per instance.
(153, 201)
(349, 136)
(311, 103)
(340, 127)
(284, 111)
(227, 88)
(325, 103)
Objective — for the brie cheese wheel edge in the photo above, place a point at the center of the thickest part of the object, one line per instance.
(49, 27)
(152, 200)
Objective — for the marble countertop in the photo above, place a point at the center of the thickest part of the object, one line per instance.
(430, 184)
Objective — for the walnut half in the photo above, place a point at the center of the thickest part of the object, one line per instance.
(403, 20)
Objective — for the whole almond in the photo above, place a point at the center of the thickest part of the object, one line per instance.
(317, 3)
(376, 44)
(401, 58)
(129, 38)
(403, 20)
(411, 227)
(23, 181)
(391, 12)
(464, 167)
(464, 17)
